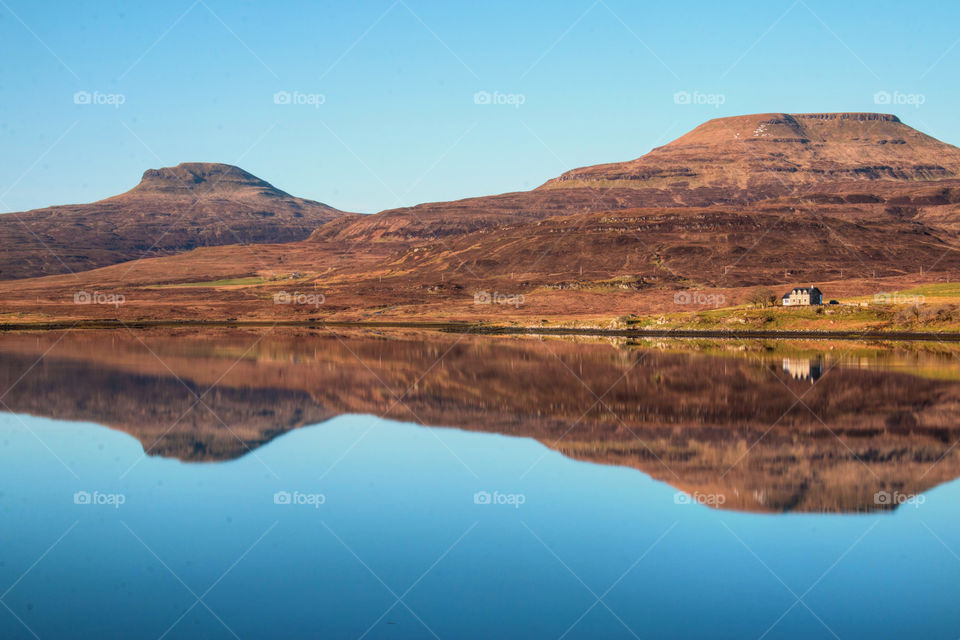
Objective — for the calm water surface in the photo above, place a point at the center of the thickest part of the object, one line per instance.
(399, 485)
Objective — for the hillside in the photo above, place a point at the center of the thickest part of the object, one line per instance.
(173, 209)
(707, 247)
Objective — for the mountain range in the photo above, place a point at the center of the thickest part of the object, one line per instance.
(767, 199)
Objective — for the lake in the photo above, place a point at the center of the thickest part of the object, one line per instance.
(398, 484)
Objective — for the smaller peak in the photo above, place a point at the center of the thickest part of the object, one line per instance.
(200, 177)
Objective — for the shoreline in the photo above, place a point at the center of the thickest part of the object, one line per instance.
(730, 335)
(481, 329)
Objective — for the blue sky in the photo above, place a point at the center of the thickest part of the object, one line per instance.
(579, 83)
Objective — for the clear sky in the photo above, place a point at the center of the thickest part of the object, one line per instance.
(382, 105)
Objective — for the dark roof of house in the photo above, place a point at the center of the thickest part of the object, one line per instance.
(803, 290)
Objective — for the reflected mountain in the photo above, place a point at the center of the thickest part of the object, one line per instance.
(774, 429)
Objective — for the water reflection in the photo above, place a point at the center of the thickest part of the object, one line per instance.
(818, 427)
(806, 369)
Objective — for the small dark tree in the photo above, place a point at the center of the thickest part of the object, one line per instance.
(761, 297)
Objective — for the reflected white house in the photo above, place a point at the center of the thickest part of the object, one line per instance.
(803, 368)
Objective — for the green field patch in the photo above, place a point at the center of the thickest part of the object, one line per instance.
(938, 290)
(229, 282)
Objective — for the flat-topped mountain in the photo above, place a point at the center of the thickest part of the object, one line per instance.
(738, 201)
(872, 161)
(751, 157)
(173, 209)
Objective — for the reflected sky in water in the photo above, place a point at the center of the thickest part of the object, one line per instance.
(393, 537)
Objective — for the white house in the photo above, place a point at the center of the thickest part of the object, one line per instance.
(802, 296)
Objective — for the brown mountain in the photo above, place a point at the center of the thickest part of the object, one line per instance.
(738, 201)
(755, 157)
(173, 209)
(857, 163)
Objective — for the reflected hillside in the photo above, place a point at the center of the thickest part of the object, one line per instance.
(815, 429)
